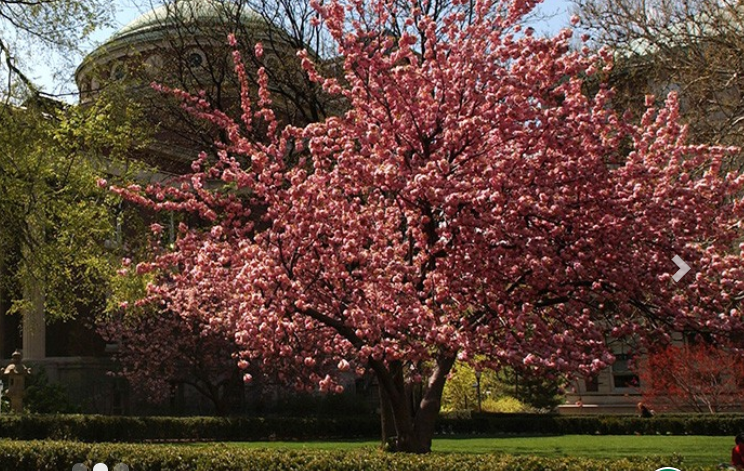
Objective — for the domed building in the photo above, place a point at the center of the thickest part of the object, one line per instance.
(183, 44)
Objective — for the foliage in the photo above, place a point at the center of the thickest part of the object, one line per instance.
(109, 131)
(98, 428)
(509, 390)
(203, 357)
(547, 424)
(504, 404)
(53, 456)
(699, 377)
(43, 397)
(57, 239)
(55, 220)
(461, 390)
(541, 392)
(490, 216)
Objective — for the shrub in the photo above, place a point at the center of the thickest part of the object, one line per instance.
(55, 456)
(506, 404)
(96, 428)
(44, 397)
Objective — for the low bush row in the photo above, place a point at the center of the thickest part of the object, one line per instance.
(59, 455)
(96, 428)
(99, 428)
(667, 424)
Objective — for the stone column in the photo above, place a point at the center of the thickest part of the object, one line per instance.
(34, 325)
(2, 310)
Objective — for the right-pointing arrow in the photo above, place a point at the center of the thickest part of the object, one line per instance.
(683, 268)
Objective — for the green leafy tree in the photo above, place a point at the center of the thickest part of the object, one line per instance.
(45, 397)
(541, 393)
(467, 388)
(507, 390)
(58, 227)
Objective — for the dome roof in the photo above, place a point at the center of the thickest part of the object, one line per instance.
(159, 23)
(183, 12)
(200, 18)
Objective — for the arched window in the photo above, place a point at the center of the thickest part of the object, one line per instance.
(118, 71)
(195, 58)
(154, 64)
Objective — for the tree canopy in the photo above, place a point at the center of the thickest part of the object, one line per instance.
(699, 377)
(53, 217)
(55, 221)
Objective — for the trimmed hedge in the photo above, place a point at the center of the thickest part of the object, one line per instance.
(98, 428)
(548, 424)
(57, 456)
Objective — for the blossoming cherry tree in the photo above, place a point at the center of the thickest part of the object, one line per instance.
(470, 202)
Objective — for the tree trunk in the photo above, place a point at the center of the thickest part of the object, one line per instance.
(431, 403)
(413, 427)
(387, 420)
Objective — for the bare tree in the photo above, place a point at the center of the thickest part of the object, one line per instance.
(35, 29)
(693, 47)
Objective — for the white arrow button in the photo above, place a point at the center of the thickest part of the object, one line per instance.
(683, 268)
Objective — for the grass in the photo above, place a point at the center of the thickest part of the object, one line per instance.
(696, 450)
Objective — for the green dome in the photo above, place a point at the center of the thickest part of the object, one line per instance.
(150, 25)
(200, 19)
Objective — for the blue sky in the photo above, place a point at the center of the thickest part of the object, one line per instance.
(551, 16)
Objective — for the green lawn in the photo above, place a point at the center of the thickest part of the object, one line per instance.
(696, 450)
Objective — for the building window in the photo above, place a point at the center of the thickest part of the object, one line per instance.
(195, 59)
(622, 376)
(118, 72)
(153, 64)
(592, 384)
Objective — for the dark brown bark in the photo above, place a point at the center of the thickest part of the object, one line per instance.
(387, 420)
(413, 422)
(431, 403)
